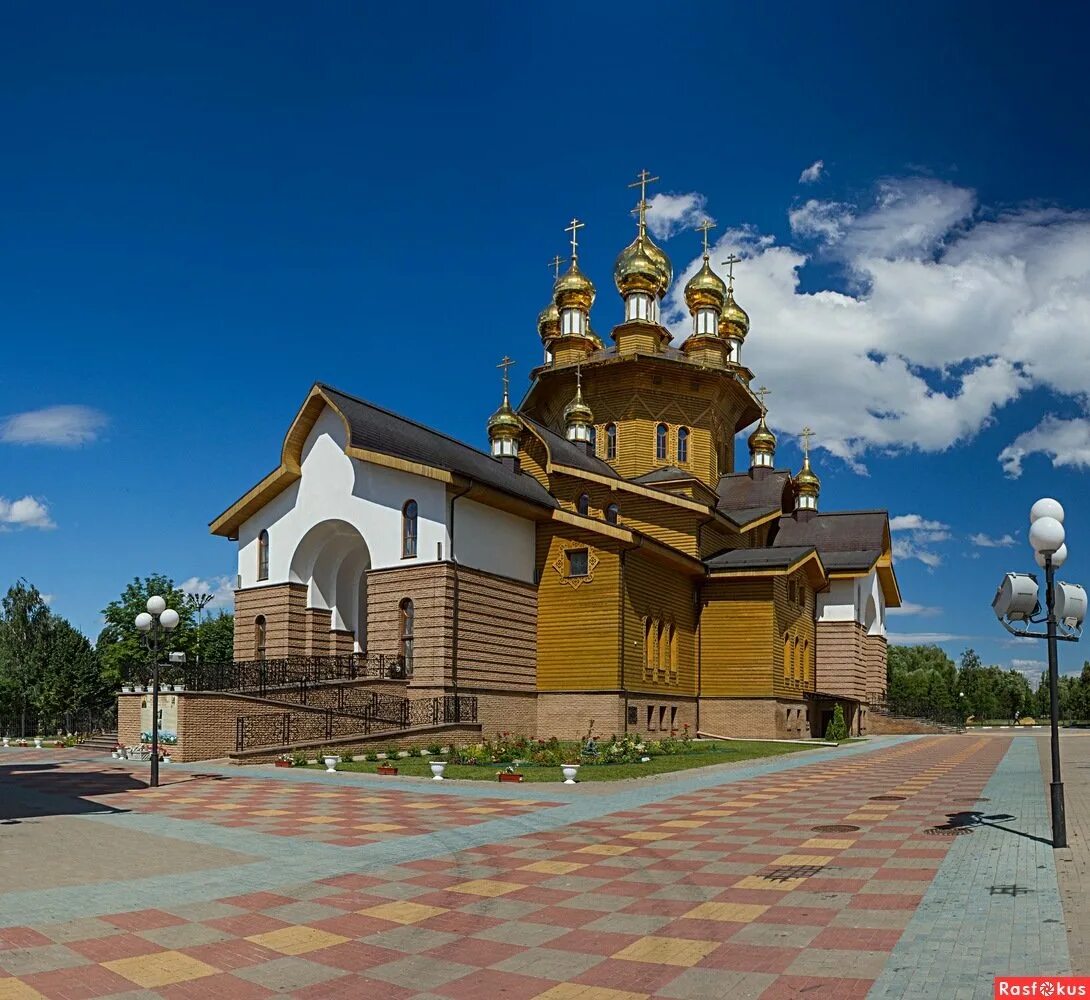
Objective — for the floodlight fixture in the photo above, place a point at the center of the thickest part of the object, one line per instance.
(1016, 597)
(1070, 604)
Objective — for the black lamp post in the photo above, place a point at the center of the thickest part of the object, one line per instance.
(154, 622)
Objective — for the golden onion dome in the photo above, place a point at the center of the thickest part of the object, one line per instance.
(573, 289)
(504, 423)
(807, 481)
(548, 321)
(705, 289)
(636, 271)
(734, 319)
(662, 262)
(762, 439)
(577, 411)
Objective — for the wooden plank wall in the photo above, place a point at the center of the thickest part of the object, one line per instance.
(737, 623)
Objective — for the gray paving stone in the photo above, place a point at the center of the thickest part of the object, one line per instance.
(418, 971)
(705, 984)
(549, 963)
(285, 974)
(411, 940)
(525, 933)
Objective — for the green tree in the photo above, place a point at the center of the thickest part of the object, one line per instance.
(24, 646)
(218, 638)
(120, 645)
(838, 728)
(77, 693)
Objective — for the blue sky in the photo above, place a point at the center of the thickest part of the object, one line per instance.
(206, 209)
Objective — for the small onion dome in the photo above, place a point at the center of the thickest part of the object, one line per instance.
(807, 481)
(662, 262)
(573, 289)
(762, 439)
(705, 289)
(636, 271)
(577, 411)
(548, 321)
(734, 322)
(504, 423)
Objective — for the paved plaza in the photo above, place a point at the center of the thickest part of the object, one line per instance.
(901, 866)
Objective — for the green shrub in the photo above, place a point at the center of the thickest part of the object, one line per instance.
(299, 759)
(371, 755)
(435, 748)
(838, 728)
(347, 757)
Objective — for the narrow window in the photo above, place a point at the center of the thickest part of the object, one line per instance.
(663, 650)
(682, 445)
(648, 649)
(650, 718)
(662, 716)
(673, 717)
(259, 637)
(408, 530)
(797, 661)
(660, 442)
(406, 615)
(594, 439)
(612, 513)
(611, 441)
(582, 505)
(673, 652)
(578, 562)
(263, 555)
(786, 656)
(806, 661)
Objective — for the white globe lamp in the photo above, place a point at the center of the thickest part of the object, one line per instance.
(143, 621)
(1046, 507)
(169, 619)
(1059, 557)
(1046, 535)
(156, 605)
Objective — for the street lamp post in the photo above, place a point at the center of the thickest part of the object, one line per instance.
(154, 623)
(1017, 605)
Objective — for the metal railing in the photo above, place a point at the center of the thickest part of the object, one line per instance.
(389, 713)
(260, 676)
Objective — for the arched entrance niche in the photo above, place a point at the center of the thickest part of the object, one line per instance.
(332, 560)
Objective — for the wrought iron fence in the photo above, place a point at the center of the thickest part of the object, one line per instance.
(918, 708)
(260, 676)
(276, 729)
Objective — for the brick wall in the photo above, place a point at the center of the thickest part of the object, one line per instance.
(759, 718)
(128, 719)
(569, 715)
(283, 605)
(666, 713)
(875, 652)
(317, 622)
(841, 659)
(497, 632)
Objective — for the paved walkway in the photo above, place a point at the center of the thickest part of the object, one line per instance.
(797, 876)
(1073, 863)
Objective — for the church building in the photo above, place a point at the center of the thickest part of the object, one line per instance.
(600, 567)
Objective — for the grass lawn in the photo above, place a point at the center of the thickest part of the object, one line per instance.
(710, 752)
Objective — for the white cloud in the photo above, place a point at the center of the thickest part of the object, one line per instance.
(813, 172)
(914, 534)
(67, 426)
(220, 587)
(942, 314)
(1066, 442)
(668, 214)
(923, 638)
(26, 512)
(987, 542)
(910, 608)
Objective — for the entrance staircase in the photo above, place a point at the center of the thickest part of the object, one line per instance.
(100, 743)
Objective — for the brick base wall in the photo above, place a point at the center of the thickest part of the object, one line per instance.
(283, 606)
(757, 718)
(569, 715)
(875, 653)
(658, 715)
(422, 737)
(841, 659)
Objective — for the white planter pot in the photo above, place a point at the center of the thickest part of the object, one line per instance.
(330, 764)
(116, 755)
(166, 759)
(570, 771)
(138, 689)
(437, 769)
(37, 743)
(7, 742)
(126, 689)
(179, 687)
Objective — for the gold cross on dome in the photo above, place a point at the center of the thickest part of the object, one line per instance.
(555, 264)
(760, 394)
(704, 227)
(806, 434)
(573, 227)
(505, 364)
(643, 178)
(730, 262)
(578, 380)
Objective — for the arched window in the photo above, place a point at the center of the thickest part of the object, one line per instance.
(660, 441)
(593, 439)
(611, 441)
(612, 513)
(786, 656)
(648, 647)
(408, 530)
(582, 505)
(259, 637)
(682, 445)
(263, 555)
(406, 615)
(797, 663)
(664, 648)
(673, 653)
(806, 670)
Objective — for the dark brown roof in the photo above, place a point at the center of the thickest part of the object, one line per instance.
(860, 531)
(862, 560)
(743, 499)
(565, 452)
(372, 428)
(768, 558)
